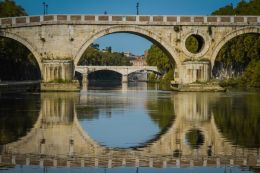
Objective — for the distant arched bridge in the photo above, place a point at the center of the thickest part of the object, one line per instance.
(123, 70)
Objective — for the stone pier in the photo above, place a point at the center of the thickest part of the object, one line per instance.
(196, 71)
(124, 78)
(58, 76)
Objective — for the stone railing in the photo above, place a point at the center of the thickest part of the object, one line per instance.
(132, 161)
(129, 19)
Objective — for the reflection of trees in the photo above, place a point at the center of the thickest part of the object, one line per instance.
(18, 115)
(238, 118)
(161, 111)
(91, 107)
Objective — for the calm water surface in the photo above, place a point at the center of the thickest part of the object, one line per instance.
(148, 127)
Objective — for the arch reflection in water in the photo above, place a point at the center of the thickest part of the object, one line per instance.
(17, 120)
(57, 134)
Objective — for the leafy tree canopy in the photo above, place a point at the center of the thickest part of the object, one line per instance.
(9, 8)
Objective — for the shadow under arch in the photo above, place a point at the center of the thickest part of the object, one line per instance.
(101, 73)
(149, 35)
(230, 36)
(25, 43)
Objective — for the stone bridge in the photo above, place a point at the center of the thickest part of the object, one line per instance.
(59, 41)
(58, 139)
(123, 70)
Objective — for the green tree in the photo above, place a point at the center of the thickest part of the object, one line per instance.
(93, 56)
(156, 57)
(192, 44)
(8, 8)
(239, 57)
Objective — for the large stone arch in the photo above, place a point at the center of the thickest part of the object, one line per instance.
(24, 42)
(149, 35)
(230, 36)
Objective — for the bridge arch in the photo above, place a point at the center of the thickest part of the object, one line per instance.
(230, 36)
(145, 69)
(149, 35)
(25, 43)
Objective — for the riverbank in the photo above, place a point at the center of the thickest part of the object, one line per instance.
(72, 86)
(198, 87)
(21, 86)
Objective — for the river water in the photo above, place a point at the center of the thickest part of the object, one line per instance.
(135, 127)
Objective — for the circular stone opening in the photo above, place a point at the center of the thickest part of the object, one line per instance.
(194, 138)
(194, 43)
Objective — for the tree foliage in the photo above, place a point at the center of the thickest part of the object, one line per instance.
(16, 61)
(156, 57)
(192, 44)
(8, 8)
(93, 56)
(240, 56)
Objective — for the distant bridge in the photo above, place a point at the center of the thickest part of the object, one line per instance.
(123, 70)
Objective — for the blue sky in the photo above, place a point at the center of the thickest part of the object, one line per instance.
(125, 42)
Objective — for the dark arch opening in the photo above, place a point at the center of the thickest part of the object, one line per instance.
(105, 75)
(238, 61)
(194, 43)
(17, 63)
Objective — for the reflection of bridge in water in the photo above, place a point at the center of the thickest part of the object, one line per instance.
(57, 139)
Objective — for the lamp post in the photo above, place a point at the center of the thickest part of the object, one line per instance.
(137, 8)
(45, 8)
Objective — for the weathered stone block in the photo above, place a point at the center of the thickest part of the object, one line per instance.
(185, 19)
(157, 18)
(117, 18)
(61, 17)
(103, 18)
(225, 19)
(144, 18)
(21, 20)
(130, 18)
(75, 18)
(238, 19)
(89, 18)
(35, 19)
(212, 19)
(7, 21)
(48, 18)
(171, 19)
(198, 19)
(252, 19)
